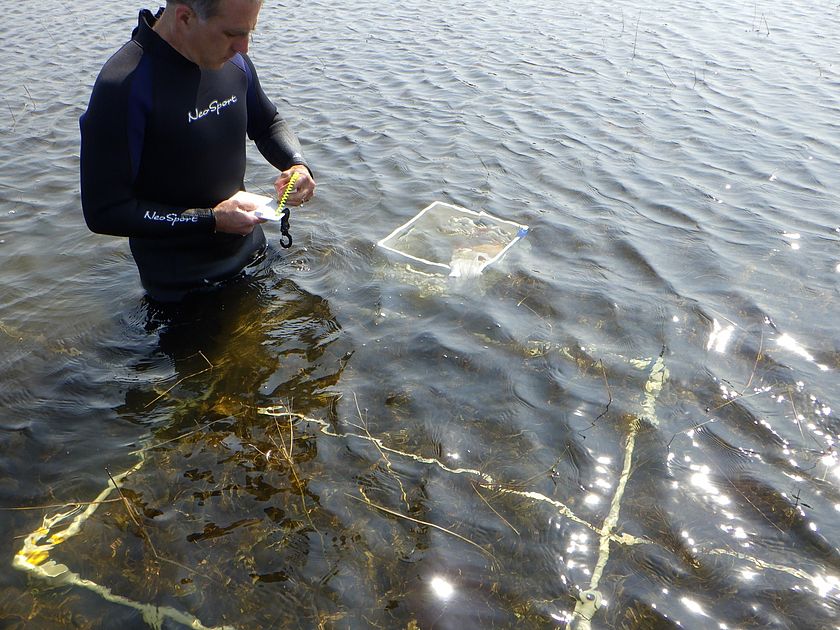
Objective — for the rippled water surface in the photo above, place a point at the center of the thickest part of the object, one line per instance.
(627, 422)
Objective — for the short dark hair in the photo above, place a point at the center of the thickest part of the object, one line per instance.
(205, 9)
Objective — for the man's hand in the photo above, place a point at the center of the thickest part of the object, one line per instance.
(304, 185)
(236, 217)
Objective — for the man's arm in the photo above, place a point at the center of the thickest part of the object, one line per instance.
(275, 140)
(266, 127)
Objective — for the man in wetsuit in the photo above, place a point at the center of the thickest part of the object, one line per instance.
(163, 146)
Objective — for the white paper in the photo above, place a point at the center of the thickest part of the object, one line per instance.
(263, 203)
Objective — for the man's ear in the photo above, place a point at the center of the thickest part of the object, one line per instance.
(184, 16)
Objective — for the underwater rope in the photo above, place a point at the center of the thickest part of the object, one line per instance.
(487, 481)
(34, 557)
(589, 601)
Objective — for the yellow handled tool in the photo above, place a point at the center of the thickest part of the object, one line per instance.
(284, 212)
(282, 203)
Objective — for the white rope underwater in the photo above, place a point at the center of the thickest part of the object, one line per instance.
(589, 601)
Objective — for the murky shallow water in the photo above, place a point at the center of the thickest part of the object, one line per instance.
(637, 404)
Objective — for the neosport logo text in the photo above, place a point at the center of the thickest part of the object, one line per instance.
(172, 218)
(214, 107)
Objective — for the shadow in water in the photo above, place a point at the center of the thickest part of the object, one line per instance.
(213, 496)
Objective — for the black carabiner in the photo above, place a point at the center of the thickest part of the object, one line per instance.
(284, 230)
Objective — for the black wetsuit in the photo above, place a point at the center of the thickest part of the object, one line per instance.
(162, 142)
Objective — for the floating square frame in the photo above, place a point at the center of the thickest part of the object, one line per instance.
(446, 238)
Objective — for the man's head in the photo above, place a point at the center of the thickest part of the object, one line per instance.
(209, 32)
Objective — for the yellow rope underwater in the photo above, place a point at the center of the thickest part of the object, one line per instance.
(34, 558)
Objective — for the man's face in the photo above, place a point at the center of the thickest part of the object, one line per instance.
(213, 41)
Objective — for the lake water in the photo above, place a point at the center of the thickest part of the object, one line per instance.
(630, 421)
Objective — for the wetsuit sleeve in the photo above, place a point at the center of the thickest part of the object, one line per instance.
(111, 147)
(266, 127)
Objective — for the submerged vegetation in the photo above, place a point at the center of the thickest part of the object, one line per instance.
(246, 515)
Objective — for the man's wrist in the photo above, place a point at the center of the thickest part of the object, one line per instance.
(301, 168)
(205, 215)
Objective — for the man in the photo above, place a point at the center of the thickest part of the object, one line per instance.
(163, 146)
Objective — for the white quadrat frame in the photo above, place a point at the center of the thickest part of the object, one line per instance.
(522, 230)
